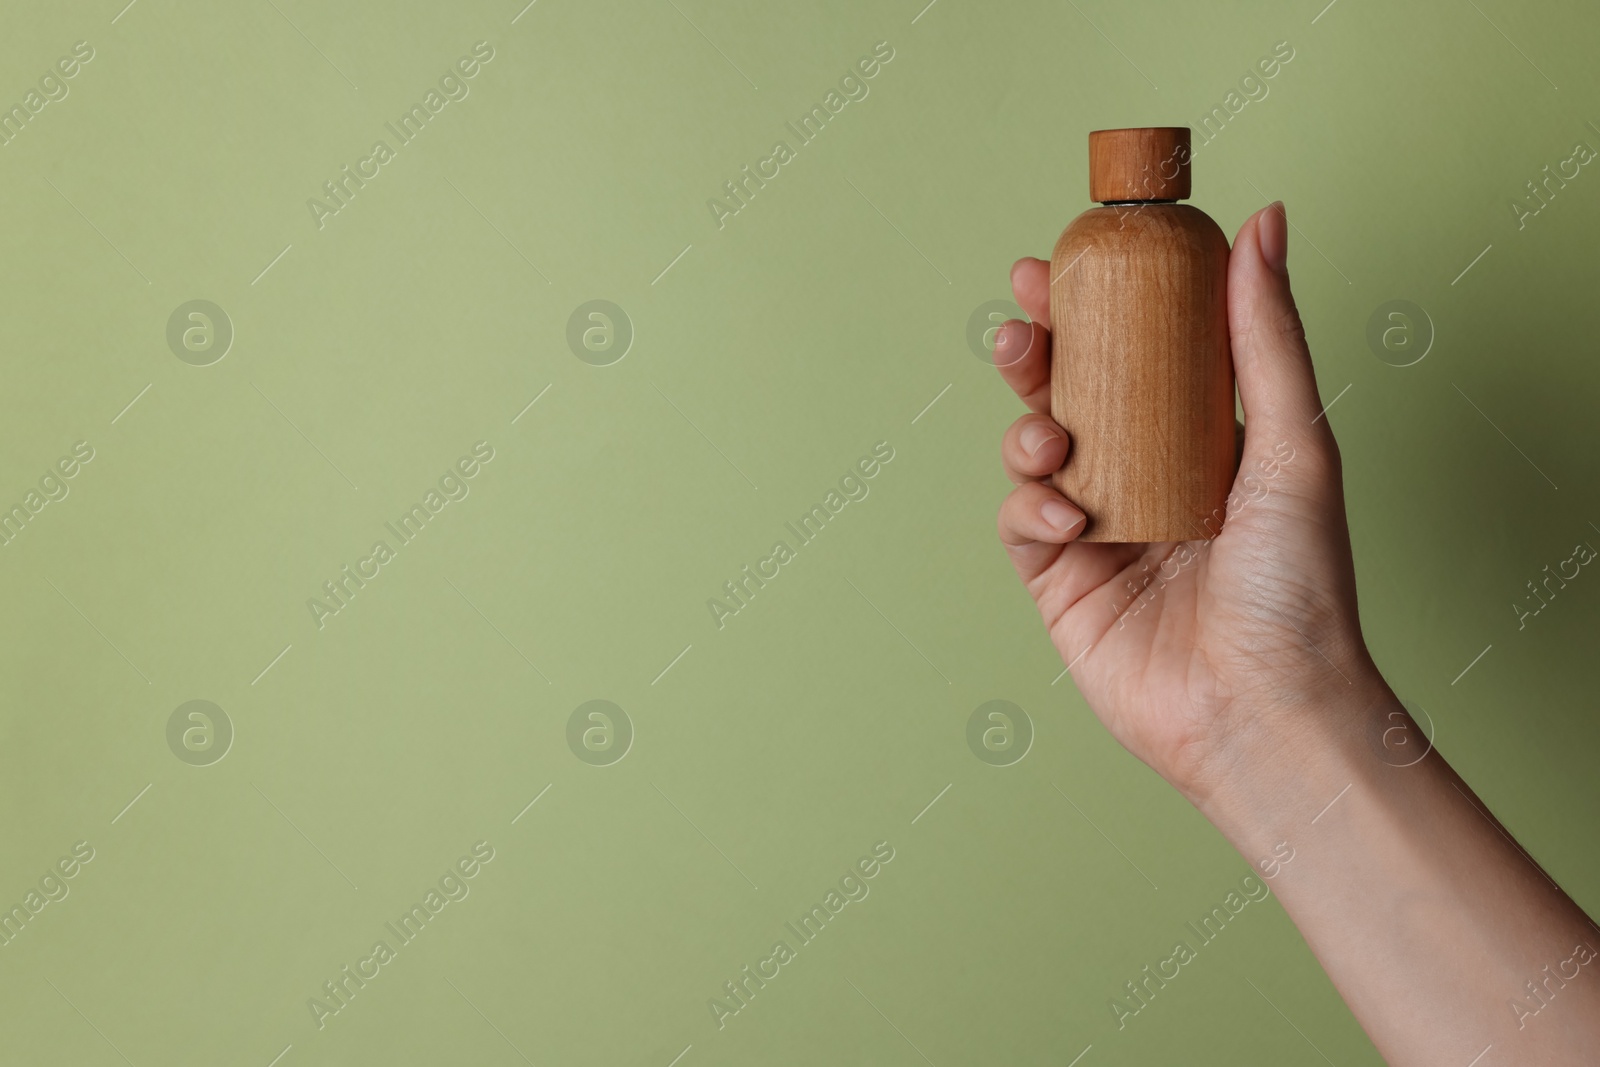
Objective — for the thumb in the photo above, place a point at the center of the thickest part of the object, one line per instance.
(1277, 383)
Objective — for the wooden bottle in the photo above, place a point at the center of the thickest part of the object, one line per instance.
(1141, 371)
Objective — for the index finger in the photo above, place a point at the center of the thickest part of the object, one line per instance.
(1022, 349)
(1030, 284)
(1022, 354)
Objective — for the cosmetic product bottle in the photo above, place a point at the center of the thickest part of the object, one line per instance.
(1141, 370)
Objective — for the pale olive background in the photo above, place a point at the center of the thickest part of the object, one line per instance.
(772, 355)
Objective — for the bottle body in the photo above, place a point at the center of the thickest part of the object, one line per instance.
(1142, 371)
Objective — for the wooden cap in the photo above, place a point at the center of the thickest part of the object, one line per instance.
(1144, 163)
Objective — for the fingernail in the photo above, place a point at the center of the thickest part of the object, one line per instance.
(999, 338)
(1273, 235)
(1061, 516)
(1035, 436)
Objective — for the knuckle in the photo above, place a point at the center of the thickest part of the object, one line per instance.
(1005, 520)
(1290, 327)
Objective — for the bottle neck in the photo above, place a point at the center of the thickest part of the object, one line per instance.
(1133, 203)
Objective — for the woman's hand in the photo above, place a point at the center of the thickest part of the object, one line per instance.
(1236, 669)
(1186, 649)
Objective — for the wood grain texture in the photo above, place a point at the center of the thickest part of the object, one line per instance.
(1143, 163)
(1142, 373)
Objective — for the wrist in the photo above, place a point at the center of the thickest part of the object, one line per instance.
(1284, 764)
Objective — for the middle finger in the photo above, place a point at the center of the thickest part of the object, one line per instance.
(1033, 448)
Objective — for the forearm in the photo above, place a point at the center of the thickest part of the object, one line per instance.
(1441, 934)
